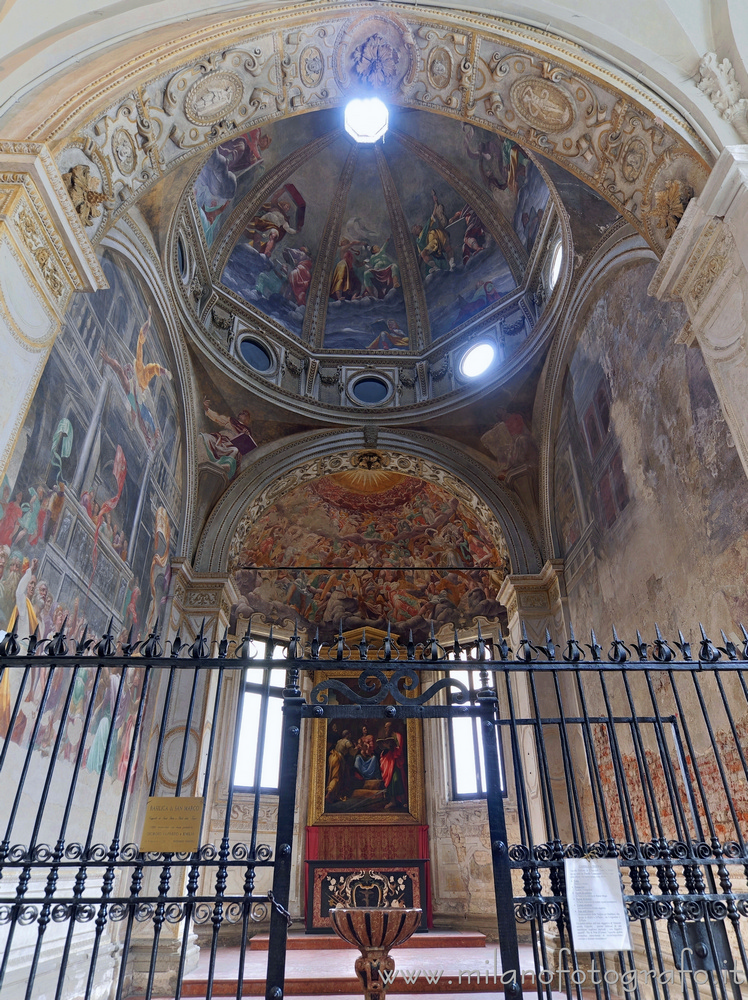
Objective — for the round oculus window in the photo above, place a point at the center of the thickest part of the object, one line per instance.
(257, 356)
(370, 389)
(477, 359)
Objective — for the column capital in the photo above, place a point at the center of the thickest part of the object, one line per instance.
(200, 595)
(537, 599)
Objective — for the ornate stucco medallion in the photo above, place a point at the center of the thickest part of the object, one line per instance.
(542, 105)
(123, 150)
(213, 97)
(375, 61)
(633, 159)
(311, 66)
(439, 68)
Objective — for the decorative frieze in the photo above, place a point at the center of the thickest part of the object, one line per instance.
(477, 71)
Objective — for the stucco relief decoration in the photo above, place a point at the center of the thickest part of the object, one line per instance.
(439, 68)
(40, 251)
(376, 53)
(542, 105)
(124, 151)
(713, 266)
(724, 91)
(213, 98)
(209, 99)
(84, 192)
(670, 204)
(375, 61)
(622, 149)
(633, 159)
(311, 66)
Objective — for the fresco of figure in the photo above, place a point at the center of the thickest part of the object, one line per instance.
(346, 281)
(216, 185)
(381, 272)
(135, 378)
(474, 239)
(226, 448)
(432, 240)
(266, 230)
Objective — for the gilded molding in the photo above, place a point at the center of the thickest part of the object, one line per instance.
(42, 253)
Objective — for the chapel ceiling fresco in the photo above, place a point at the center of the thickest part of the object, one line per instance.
(390, 245)
(367, 546)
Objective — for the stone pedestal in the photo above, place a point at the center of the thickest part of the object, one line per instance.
(45, 256)
(706, 265)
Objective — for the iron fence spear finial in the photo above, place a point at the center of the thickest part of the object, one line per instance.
(82, 646)
(574, 652)
(58, 646)
(525, 651)
(106, 645)
(387, 648)
(456, 647)
(223, 645)
(707, 651)
(662, 651)
(33, 641)
(243, 652)
(728, 646)
(502, 647)
(594, 647)
(619, 651)
(641, 646)
(683, 646)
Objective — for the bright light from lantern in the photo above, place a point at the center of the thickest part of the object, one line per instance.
(366, 119)
(476, 360)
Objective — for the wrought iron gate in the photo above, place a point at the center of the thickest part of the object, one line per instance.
(637, 754)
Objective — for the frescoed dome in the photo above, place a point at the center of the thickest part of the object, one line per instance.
(418, 241)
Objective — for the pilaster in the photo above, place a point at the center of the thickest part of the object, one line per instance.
(706, 266)
(45, 256)
(538, 602)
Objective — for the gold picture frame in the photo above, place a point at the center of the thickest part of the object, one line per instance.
(376, 807)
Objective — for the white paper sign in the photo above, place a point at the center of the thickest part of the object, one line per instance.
(598, 915)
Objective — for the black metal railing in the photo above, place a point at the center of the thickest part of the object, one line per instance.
(636, 754)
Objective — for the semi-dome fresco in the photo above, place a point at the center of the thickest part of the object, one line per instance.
(367, 546)
(373, 247)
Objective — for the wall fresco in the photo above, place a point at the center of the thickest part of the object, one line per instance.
(91, 507)
(365, 546)
(366, 307)
(99, 456)
(271, 264)
(646, 465)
